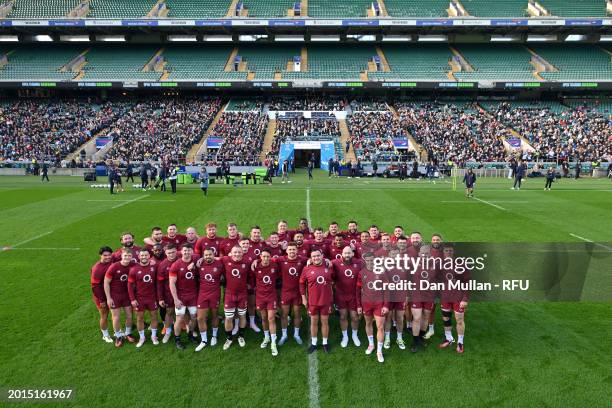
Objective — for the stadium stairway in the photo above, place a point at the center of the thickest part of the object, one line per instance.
(304, 59)
(524, 142)
(153, 12)
(200, 148)
(89, 147)
(344, 136)
(464, 63)
(540, 65)
(268, 139)
(605, 50)
(231, 12)
(420, 150)
(154, 66)
(229, 65)
(76, 64)
(304, 4)
(383, 59)
(383, 8)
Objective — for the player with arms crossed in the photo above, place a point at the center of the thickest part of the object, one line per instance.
(98, 271)
(291, 267)
(345, 271)
(184, 289)
(209, 295)
(141, 289)
(263, 276)
(117, 297)
(316, 284)
(372, 303)
(236, 294)
(453, 300)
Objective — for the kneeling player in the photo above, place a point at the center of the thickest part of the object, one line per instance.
(210, 272)
(263, 278)
(316, 290)
(141, 288)
(453, 300)
(184, 289)
(117, 297)
(372, 304)
(97, 287)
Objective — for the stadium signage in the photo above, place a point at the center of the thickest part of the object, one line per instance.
(177, 22)
(509, 22)
(95, 84)
(361, 23)
(523, 85)
(250, 22)
(397, 22)
(213, 23)
(441, 22)
(67, 23)
(583, 22)
(287, 23)
(546, 22)
(579, 84)
(139, 23)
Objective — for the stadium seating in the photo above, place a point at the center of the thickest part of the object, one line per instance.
(268, 8)
(372, 134)
(501, 62)
(243, 134)
(485, 8)
(38, 63)
(42, 9)
(110, 62)
(244, 105)
(575, 62)
(197, 8)
(575, 8)
(120, 8)
(199, 63)
(266, 60)
(338, 8)
(329, 62)
(417, 8)
(425, 62)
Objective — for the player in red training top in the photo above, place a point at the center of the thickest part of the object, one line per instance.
(141, 288)
(435, 251)
(316, 284)
(256, 244)
(412, 250)
(374, 233)
(236, 294)
(397, 299)
(364, 245)
(157, 237)
(127, 242)
(336, 247)
(352, 233)
(291, 267)
(97, 287)
(372, 302)
(398, 231)
(164, 296)
(345, 272)
(209, 295)
(284, 235)
(332, 231)
(273, 244)
(453, 300)
(210, 240)
(302, 248)
(184, 289)
(304, 229)
(263, 277)
(173, 237)
(318, 243)
(117, 298)
(385, 245)
(191, 237)
(232, 239)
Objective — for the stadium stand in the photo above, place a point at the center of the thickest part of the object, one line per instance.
(197, 8)
(504, 62)
(267, 60)
(198, 63)
(327, 62)
(417, 8)
(43, 130)
(506, 8)
(268, 8)
(575, 8)
(425, 62)
(558, 132)
(116, 62)
(453, 131)
(336, 8)
(42, 9)
(299, 128)
(372, 134)
(582, 62)
(120, 8)
(161, 129)
(307, 103)
(39, 63)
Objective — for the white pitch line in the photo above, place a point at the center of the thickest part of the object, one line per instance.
(298, 201)
(591, 241)
(32, 239)
(313, 362)
(130, 201)
(127, 201)
(45, 249)
(490, 203)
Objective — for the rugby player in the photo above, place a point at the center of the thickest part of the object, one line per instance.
(263, 277)
(304, 229)
(453, 300)
(385, 245)
(172, 236)
(363, 245)
(336, 247)
(98, 271)
(284, 236)
(318, 243)
(235, 300)
(316, 284)
(256, 244)
(191, 237)
(209, 295)
(372, 304)
(117, 298)
(232, 239)
(397, 301)
(127, 242)
(302, 248)
(422, 302)
(141, 289)
(435, 251)
(164, 296)
(210, 240)
(274, 246)
(398, 231)
(352, 233)
(291, 267)
(157, 237)
(414, 246)
(345, 271)
(157, 254)
(332, 231)
(184, 289)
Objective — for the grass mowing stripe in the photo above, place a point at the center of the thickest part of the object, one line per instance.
(592, 242)
(313, 361)
(130, 201)
(490, 203)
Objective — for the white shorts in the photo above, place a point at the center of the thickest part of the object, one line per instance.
(180, 311)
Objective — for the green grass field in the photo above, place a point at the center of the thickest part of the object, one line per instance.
(517, 354)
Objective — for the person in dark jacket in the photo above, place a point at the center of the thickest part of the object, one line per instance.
(519, 173)
(111, 178)
(469, 179)
(375, 167)
(550, 177)
(45, 172)
(129, 172)
(144, 177)
(330, 166)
